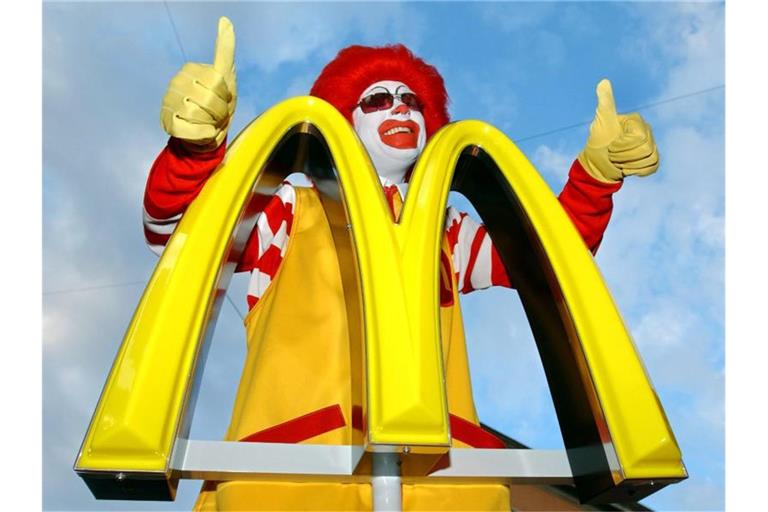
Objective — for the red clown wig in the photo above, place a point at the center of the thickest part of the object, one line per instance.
(355, 68)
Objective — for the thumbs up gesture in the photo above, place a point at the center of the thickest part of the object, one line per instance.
(200, 99)
(618, 145)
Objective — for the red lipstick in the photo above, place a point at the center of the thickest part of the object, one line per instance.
(399, 134)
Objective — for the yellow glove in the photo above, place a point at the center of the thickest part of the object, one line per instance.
(201, 98)
(618, 145)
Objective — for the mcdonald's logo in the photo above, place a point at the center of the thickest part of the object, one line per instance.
(618, 441)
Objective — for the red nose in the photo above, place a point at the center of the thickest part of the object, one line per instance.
(401, 109)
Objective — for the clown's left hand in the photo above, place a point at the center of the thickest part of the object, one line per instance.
(618, 145)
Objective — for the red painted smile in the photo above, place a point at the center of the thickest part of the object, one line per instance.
(399, 134)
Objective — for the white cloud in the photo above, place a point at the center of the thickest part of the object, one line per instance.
(300, 85)
(514, 17)
(553, 164)
(670, 224)
(661, 330)
(58, 327)
(508, 380)
(705, 494)
(477, 90)
(710, 229)
(693, 36)
(304, 30)
(81, 339)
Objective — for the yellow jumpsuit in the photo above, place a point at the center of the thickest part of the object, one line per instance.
(296, 383)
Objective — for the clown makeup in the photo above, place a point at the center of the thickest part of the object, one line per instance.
(394, 136)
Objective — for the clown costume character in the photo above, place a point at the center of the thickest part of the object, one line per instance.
(295, 385)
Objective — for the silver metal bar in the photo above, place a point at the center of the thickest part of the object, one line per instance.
(229, 460)
(521, 465)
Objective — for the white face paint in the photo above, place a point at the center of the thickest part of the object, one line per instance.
(394, 137)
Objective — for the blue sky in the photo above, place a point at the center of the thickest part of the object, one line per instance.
(528, 68)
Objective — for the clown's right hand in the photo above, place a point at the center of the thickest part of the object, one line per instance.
(200, 100)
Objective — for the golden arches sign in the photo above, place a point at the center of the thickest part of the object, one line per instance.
(618, 440)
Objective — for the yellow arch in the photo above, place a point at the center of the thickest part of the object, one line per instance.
(143, 404)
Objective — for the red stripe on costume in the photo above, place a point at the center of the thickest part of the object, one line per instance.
(499, 275)
(270, 261)
(250, 256)
(301, 428)
(473, 435)
(276, 211)
(155, 238)
(446, 281)
(453, 231)
(259, 202)
(473, 252)
(252, 300)
(288, 218)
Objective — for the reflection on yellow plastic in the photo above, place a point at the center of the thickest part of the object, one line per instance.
(140, 411)
(638, 429)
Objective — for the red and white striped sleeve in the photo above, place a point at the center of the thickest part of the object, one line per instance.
(476, 262)
(176, 178)
(588, 202)
(269, 240)
(157, 232)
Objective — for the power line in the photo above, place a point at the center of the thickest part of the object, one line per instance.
(681, 97)
(131, 283)
(96, 287)
(176, 32)
(239, 313)
(635, 109)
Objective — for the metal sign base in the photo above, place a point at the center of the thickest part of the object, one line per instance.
(229, 460)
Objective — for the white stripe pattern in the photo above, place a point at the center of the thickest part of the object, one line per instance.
(285, 198)
(261, 275)
(481, 273)
(462, 251)
(161, 227)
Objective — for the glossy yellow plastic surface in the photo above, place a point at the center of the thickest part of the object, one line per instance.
(638, 429)
(139, 413)
(141, 408)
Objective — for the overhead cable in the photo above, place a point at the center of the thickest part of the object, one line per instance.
(635, 109)
(176, 32)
